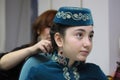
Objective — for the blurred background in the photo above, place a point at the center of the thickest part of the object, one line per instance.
(16, 17)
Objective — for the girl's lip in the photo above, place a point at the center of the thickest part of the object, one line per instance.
(85, 53)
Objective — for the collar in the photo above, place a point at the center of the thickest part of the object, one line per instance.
(64, 61)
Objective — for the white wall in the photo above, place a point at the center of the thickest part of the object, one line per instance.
(55, 4)
(2, 25)
(114, 32)
(43, 5)
(100, 53)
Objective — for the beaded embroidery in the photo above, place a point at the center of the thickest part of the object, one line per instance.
(67, 74)
(76, 16)
(64, 61)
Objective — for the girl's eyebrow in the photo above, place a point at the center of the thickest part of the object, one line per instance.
(80, 30)
(84, 30)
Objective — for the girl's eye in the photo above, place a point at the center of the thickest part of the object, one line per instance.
(79, 35)
(91, 36)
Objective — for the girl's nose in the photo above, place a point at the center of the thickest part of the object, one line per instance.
(87, 42)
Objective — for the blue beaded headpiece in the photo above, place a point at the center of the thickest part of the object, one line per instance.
(74, 16)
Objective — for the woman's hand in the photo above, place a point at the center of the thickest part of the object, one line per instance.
(44, 46)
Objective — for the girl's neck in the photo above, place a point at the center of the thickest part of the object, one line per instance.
(70, 63)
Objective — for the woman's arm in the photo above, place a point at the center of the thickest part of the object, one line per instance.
(12, 59)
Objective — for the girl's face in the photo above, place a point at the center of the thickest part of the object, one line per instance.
(77, 42)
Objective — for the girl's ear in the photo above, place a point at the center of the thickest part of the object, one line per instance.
(58, 39)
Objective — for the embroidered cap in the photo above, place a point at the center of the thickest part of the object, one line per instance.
(74, 16)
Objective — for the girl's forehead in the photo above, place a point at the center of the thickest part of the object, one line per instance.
(77, 28)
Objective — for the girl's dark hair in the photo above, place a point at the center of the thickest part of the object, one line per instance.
(60, 29)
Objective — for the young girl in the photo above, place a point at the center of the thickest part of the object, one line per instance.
(71, 35)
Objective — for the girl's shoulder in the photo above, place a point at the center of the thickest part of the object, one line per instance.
(90, 66)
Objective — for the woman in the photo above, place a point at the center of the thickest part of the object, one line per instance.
(72, 35)
(11, 63)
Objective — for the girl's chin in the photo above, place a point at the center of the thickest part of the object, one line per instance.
(81, 58)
